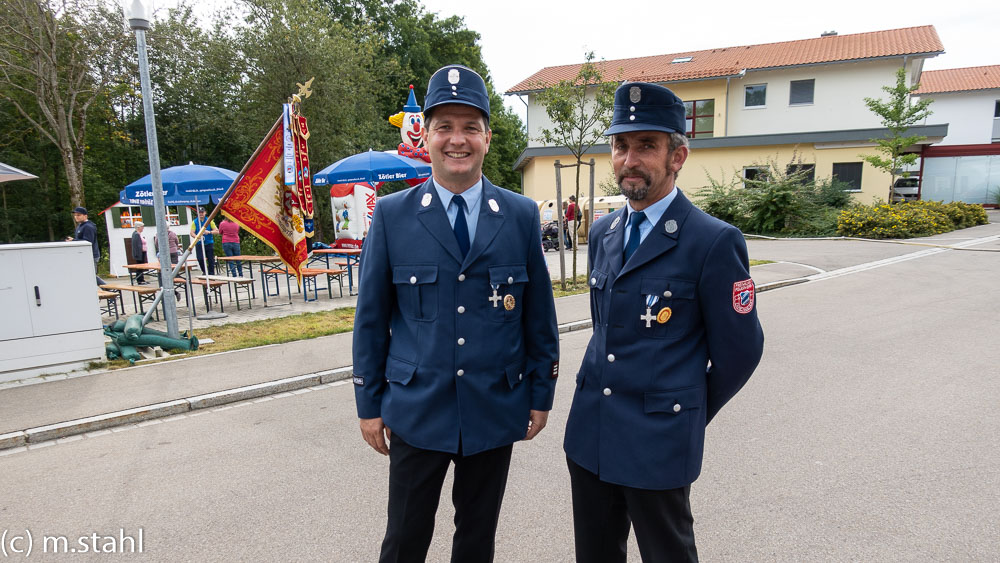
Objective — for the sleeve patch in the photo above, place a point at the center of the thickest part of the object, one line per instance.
(358, 380)
(555, 369)
(743, 296)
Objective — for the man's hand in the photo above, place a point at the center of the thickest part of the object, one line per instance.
(372, 431)
(536, 421)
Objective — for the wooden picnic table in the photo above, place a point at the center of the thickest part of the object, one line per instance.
(273, 261)
(352, 257)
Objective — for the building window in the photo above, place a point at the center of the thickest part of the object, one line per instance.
(756, 96)
(801, 92)
(755, 174)
(129, 216)
(173, 217)
(700, 117)
(848, 173)
(808, 172)
(996, 109)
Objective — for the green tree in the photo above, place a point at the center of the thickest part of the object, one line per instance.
(580, 110)
(56, 58)
(897, 114)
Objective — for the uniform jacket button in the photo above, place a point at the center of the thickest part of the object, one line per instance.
(413, 279)
(593, 281)
(668, 294)
(520, 376)
(677, 408)
(510, 280)
(461, 277)
(611, 357)
(460, 372)
(461, 342)
(461, 309)
(607, 391)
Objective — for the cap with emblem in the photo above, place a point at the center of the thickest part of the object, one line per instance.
(640, 106)
(456, 84)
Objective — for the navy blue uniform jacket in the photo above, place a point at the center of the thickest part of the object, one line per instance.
(433, 356)
(644, 395)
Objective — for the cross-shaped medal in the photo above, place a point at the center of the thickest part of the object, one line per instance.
(495, 298)
(648, 317)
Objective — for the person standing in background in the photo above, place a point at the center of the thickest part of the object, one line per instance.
(139, 251)
(231, 244)
(205, 250)
(87, 230)
(571, 211)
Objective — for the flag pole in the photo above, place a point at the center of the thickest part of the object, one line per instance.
(208, 220)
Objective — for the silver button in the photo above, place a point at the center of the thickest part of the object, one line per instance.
(677, 408)
(593, 281)
(413, 279)
(460, 372)
(607, 391)
(510, 280)
(668, 294)
(461, 309)
(461, 277)
(631, 108)
(520, 376)
(631, 118)
(611, 357)
(461, 342)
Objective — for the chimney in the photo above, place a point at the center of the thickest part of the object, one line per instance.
(828, 33)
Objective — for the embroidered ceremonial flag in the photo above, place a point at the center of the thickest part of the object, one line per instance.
(261, 202)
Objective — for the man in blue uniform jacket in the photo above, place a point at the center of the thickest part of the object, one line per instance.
(676, 335)
(455, 338)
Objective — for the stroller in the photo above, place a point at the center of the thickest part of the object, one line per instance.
(550, 236)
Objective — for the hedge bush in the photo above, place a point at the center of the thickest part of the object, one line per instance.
(908, 219)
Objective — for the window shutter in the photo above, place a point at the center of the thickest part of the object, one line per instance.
(148, 217)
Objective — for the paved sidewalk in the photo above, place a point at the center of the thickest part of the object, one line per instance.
(92, 401)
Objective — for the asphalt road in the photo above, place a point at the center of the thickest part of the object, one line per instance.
(870, 432)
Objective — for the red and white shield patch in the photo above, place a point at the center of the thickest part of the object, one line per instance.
(743, 295)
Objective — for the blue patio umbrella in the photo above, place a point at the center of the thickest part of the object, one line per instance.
(372, 167)
(190, 184)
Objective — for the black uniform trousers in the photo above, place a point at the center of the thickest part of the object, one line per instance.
(603, 513)
(415, 479)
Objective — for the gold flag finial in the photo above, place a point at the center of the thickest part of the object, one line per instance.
(305, 90)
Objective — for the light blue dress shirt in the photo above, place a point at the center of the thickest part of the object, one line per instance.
(653, 214)
(473, 199)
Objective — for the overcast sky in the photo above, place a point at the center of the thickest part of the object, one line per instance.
(520, 37)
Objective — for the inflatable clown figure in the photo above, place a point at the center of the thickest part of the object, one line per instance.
(411, 122)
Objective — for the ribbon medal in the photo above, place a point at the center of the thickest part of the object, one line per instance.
(649, 316)
(495, 298)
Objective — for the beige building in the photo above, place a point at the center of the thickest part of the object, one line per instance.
(800, 101)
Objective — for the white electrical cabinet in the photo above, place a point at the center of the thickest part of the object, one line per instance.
(50, 317)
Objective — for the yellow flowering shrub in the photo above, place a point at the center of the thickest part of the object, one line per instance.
(908, 219)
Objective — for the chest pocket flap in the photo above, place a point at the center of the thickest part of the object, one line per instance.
(416, 289)
(665, 288)
(508, 275)
(597, 279)
(416, 274)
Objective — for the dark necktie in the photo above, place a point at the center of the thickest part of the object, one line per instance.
(461, 226)
(635, 219)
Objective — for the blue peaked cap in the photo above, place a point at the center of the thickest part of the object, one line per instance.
(457, 84)
(641, 106)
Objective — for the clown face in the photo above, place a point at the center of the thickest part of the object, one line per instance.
(413, 125)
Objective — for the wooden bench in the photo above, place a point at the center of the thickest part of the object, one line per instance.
(145, 294)
(213, 286)
(109, 301)
(234, 284)
(309, 276)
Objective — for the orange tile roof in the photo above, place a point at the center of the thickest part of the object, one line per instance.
(959, 79)
(728, 61)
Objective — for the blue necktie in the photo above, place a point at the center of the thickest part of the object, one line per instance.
(635, 219)
(461, 226)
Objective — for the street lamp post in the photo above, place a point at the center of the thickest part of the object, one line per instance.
(139, 13)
